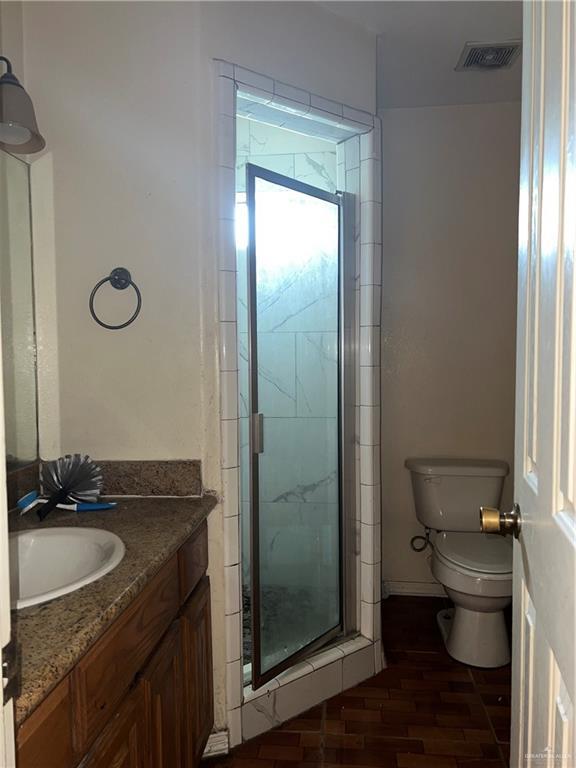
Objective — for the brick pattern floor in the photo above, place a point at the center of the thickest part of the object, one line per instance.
(425, 710)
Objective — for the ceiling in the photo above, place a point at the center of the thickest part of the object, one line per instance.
(419, 44)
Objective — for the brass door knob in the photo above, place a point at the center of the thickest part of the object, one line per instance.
(494, 521)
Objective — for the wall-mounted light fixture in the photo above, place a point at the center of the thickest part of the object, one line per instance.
(19, 132)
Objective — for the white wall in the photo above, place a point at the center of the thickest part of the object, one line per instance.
(11, 33)
(450, 179)
(123, 95)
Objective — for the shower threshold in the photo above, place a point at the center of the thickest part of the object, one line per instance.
(282, 607)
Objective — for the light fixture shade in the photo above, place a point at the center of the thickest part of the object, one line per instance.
(19, 132)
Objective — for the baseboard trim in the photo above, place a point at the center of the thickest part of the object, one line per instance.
(414, 588)
(217, 744)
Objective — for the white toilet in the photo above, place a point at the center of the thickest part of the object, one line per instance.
(475, 568)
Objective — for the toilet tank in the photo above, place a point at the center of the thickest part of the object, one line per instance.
(448, 493)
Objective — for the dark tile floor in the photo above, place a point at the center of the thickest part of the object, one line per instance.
(425, 710)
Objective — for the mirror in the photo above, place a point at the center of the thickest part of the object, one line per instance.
(17, 309)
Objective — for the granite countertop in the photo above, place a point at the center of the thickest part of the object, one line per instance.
(53, 636)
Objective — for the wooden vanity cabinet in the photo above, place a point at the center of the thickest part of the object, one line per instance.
(45, 738)
(192, 564)
(124, 742)
(142, 696)
(102, 677)
(196, 636)
(163, 686)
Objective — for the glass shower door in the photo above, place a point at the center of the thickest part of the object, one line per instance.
(296, 531)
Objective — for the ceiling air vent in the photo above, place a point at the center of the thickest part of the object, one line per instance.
(488, 56)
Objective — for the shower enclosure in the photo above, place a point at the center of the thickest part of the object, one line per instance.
(295, 291)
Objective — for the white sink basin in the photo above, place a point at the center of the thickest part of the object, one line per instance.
(49, 562)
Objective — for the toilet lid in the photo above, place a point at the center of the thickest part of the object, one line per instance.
(482, 552)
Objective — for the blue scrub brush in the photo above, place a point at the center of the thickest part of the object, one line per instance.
(71, 479)
(32, 499)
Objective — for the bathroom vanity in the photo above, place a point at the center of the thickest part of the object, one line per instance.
(119, 673)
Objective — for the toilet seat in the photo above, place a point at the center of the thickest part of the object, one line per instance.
(485, 554)
(473, 563)
(469, 582)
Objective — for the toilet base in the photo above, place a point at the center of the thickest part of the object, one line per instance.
(444, 618)
(473, 637)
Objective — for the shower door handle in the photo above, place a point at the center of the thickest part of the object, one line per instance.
(258, 433)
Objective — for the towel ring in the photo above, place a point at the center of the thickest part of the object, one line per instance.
(120, 279)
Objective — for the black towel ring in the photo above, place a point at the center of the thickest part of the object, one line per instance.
(120, 279)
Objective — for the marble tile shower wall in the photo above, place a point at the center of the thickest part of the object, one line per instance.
(297, 375)
(310, 160)
(344, 665)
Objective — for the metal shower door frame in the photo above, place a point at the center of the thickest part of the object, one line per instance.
(346, 419)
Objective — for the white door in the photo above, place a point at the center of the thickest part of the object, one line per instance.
(7, 754)
(544, 556)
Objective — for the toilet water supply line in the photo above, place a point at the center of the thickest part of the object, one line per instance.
(420, 543)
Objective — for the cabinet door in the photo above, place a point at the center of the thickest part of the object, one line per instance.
(104, 675)
(163, 687)
(124, 741)
(198, 691)
(45, 738)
